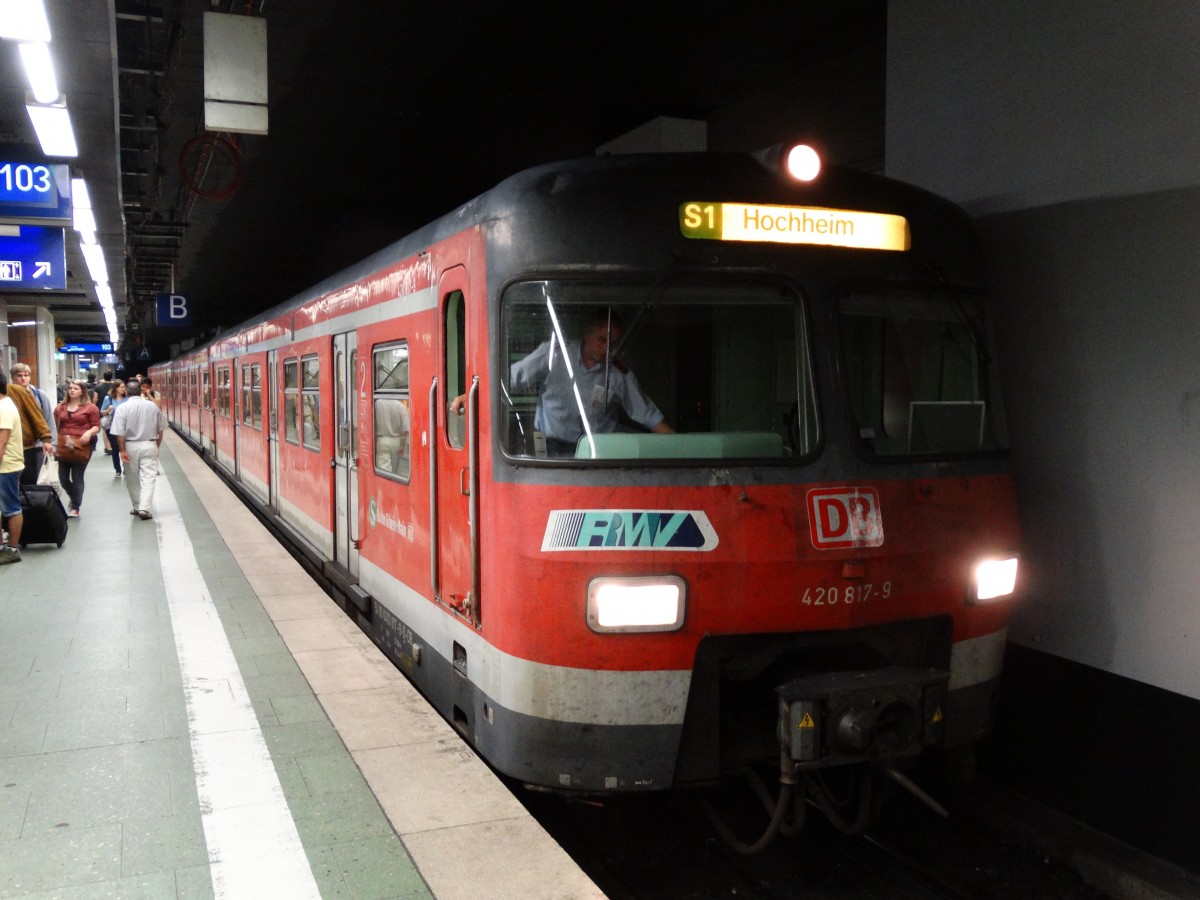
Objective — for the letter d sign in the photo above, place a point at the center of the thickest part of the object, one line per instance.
(172, 310)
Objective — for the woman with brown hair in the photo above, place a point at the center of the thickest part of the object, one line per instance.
(78, 423)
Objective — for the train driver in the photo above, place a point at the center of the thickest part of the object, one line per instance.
(584, 382)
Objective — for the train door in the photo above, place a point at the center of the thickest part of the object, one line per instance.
(455, 556)
(345, 450)
(272, 415)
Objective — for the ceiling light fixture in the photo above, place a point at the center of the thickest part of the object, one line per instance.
(39, 71)
(24, 20)
(52, 123)
(93, 255)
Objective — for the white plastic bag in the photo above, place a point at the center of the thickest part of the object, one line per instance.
(49, 473)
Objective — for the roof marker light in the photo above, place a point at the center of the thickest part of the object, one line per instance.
(803, 163)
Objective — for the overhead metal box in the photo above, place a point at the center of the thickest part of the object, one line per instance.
(235, 73)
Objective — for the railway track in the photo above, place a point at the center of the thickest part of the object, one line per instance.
(663, 848)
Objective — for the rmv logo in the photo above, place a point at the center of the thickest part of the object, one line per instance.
(844, 517)
(628, 529)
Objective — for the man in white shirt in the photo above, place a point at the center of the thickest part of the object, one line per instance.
(581, 390)
(138, 425)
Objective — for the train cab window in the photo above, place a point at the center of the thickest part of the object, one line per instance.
(390, 405)
(920, 378)
(291, 401)
(310, 401)
(694, 371)
(455, 375)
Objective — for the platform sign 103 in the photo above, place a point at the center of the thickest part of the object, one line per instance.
(34, 192)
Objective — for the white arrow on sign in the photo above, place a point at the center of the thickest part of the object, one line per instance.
(40, 269)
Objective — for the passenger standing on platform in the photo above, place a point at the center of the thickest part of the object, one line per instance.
(116, 396)
(103, 389)
(12, 463)
(148, 390)
(19, 373)
(35, 429)
(138, 425)
(78, 423)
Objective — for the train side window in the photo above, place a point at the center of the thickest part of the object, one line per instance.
(223, 389)
(390, 403)
(205, 389)
(291, 401)
(310, 401)
(456, 365)
(245, 395)
(252, 396)
(256, 396)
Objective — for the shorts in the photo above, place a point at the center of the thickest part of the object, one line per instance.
(10, 494)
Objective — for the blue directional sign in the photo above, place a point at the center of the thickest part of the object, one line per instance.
(86, 348)
(36, 193)
(34, 259)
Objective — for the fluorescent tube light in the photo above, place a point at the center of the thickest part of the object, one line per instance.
(80, 198)
(24, 20)
(93, 255)
(39, 70)
(53, 127)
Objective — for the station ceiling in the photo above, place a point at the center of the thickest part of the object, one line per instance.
(383, 116)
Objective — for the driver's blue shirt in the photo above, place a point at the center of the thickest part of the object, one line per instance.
(569, 391)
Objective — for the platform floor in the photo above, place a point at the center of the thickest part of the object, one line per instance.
(183, 712)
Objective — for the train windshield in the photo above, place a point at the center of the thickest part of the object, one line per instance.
(920, 378)
(601, 371)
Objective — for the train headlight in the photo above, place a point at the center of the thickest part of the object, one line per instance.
(654, 603)
(995, 578)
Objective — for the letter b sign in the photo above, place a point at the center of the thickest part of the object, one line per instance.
(171, 310)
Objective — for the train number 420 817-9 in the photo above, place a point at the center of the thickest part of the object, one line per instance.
(851, 593)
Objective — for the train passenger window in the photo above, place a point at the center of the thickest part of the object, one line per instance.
(919, 375)
(390, 403)
(252, 396)
(245, 395)
(291, 401)
(256, 396)
(205, 389)
(310, 401)
(223, 391)
(693, 371)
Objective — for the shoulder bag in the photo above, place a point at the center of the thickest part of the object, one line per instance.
(70, 450)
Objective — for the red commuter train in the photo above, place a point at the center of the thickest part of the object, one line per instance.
(781, 528)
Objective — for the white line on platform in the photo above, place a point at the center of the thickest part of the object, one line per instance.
(253, 847)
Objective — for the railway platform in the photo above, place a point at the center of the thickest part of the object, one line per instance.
(184, 712)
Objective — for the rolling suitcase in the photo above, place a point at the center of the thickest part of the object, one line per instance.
(45, 519)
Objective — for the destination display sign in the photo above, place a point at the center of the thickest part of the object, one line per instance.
(86, 348)
(36, 193)
(794, 225)
(34, 258)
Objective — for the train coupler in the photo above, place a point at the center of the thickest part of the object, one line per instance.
(839, 718)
